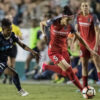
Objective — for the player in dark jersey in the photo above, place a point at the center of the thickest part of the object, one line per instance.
(7, 38)
(87, 25)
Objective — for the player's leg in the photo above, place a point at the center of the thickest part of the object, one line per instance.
(96, 61)
(69, 72)
(5, 75)
(16, 81)
(85, 71)
(53, 68)
(85, 55)
(27, 64)
(11, 64)
(63, 67)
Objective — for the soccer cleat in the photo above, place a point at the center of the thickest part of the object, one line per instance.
(43, 67)
(22, 92)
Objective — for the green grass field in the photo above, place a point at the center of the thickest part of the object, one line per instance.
(43, 92)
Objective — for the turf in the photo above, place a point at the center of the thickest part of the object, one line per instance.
(43, 92)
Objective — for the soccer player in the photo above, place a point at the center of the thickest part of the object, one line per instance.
(34, 39)
(87, 27)
(7, 39)
(57, 49)
(13, 51)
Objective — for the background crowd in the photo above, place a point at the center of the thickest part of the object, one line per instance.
(28, 14)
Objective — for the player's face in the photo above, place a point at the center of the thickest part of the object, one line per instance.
(7, 31)
(85, 7)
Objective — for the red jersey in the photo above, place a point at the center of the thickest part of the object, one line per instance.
(58, 36)
(86, 28)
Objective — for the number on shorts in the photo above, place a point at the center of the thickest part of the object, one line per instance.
(55, 58)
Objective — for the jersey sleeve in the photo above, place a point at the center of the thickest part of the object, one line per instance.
(51, 21)
(72, 29)
(15, 38)
(95, 20)
(75, 20)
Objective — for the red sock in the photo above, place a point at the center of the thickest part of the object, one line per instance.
(85, 81)
(56, 69)
(73, 78)
(98, 75)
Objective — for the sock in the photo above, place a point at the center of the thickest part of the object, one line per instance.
(85, 81)
(98, 75)
(17, 82)
(56, 69)
(73, 78)
(68, 73)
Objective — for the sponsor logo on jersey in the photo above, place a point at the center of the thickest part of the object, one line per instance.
(84, 24)
(59, 32)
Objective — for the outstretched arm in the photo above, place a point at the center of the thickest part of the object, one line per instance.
(85, 44)
(25, 47)
(77, 35)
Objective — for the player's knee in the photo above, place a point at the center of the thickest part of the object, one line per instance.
(15, 74)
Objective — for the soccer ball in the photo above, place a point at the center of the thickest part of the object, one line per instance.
(88, 92)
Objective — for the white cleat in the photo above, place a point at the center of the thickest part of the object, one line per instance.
(23, 93)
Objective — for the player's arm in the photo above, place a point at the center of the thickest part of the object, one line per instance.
(42, 25)
(77, 36)
(47, 23)
(25, 47)
(97, 31)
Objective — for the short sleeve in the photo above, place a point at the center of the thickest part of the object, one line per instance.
(75, 20)
(15, 38)
(95, 20)
(72, 28)
(51, 21)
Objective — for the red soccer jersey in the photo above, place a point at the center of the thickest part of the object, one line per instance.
(86, 28)
(58, 36)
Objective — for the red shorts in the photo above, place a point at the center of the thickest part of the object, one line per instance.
(57, 56)
(85, 52)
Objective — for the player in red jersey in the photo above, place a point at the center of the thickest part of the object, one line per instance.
(57, 49)
(87, 27)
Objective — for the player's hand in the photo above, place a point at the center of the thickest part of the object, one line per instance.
(94, 53)
(37, 56)
(95, 48)
(45, 38)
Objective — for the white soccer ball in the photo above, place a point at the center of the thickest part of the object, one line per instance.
(88, 92)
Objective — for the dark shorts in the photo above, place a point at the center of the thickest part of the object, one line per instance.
(36, 50)
(13, 52)
(3, 66)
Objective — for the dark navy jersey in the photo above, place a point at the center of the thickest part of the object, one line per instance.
(6, 45)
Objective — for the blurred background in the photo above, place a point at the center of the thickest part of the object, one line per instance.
(26, 16)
